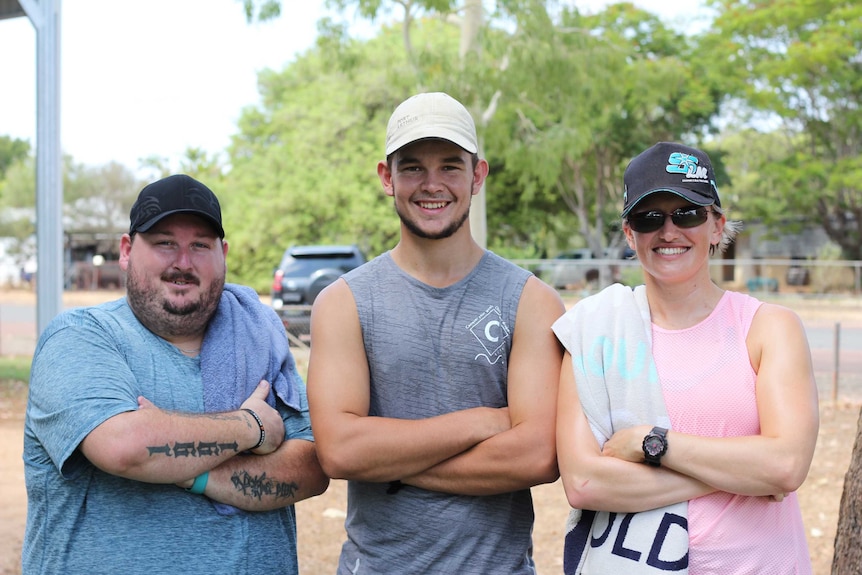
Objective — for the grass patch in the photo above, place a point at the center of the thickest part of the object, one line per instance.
(14, 373)
(15, 367)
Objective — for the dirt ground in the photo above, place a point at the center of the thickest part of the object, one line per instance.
(320, 520)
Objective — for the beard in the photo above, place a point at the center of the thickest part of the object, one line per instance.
(167, 319)
(416, 230)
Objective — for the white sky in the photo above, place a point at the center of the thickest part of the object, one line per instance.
(156, 77)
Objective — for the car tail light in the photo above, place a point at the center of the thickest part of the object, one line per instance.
(276, 280)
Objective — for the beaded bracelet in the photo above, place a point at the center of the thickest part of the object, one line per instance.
(260, 424)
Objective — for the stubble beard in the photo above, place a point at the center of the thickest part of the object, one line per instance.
(167, 319)
(446, 232)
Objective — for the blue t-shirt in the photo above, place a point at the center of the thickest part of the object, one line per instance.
(91, 364)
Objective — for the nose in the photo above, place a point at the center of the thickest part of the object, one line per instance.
(433, 181)
(668, 228)
(183, 258)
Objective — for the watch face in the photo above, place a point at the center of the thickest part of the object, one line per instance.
(653, 445)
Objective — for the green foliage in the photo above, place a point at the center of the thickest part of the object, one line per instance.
(752, 194)
(98, 198)
(581, 96)
(13, 369)
(799, 62)
(17, 207)
(304, 162)
(11, 151)
(562, 101)
(96, 201)
(261, 10)
(19, 185)
(291, 183)
(370, 9)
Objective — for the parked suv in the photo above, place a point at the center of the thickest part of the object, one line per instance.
(303, 272)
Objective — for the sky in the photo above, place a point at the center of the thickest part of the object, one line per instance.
(154, 78)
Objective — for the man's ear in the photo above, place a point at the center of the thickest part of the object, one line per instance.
(385, 175)
(125, 249)
(480, 172)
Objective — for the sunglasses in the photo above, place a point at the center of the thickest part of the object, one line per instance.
(646, 222)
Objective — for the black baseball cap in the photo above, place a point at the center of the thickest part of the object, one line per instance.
(177, 194)
(669, 167)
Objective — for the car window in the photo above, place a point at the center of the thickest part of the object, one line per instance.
(304, 266)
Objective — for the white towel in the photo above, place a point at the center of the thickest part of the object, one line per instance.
(609, 337)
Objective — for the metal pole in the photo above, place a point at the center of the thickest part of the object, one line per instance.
(836, 347)
(45, 16)
(856, 275)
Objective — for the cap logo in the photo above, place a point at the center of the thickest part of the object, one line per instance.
(406, 121)
(149, 207)
(679, 163)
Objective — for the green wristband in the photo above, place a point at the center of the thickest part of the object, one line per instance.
(200, 483)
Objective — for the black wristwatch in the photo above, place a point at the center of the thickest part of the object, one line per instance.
(655, 445)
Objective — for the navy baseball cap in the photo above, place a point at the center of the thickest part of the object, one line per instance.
(177, 194)
(669, 167)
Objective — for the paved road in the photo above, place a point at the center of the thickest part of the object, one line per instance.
(18, 328)
(846, 364)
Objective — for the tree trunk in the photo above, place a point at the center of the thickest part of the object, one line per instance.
(470, 26)
(848, 540)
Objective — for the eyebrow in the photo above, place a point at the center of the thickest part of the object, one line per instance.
(455, 159)
(169, 234)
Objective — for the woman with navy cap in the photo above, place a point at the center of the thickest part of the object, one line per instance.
(687, 414)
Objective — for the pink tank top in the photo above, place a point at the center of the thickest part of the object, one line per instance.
(709, 388)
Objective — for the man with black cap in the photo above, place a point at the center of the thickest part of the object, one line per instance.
(433, 372)
(687, 413)
(167, 431)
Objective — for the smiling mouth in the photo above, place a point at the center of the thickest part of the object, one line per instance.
(432, 205)
(181, 280)
(671, 251)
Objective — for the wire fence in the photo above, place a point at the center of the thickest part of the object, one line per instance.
(825, 294)
(807, 277)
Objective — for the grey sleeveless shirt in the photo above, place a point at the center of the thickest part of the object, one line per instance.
(432, 351)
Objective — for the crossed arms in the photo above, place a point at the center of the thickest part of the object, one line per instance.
(135, 445)
(772, 463)
(477, 451)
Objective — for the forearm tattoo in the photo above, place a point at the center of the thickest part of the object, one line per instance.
(259, 486)
(192, 449)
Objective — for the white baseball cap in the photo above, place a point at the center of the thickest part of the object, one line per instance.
(431, 115)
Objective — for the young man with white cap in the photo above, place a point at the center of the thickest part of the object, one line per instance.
(152, 442)
(433, 372)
